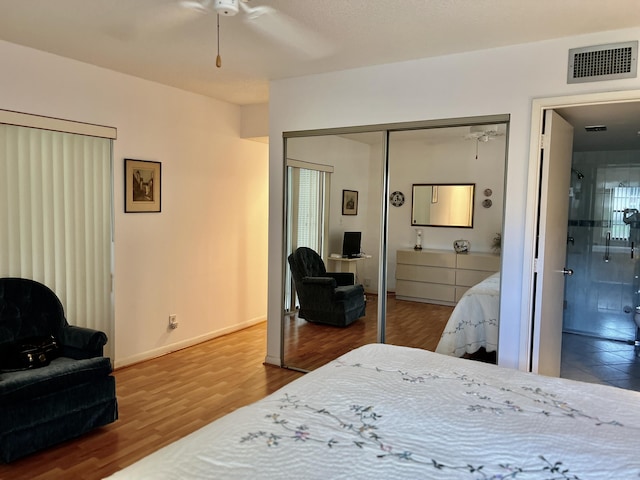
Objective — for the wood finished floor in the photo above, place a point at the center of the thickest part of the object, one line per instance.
(164, 399)
(160, 401)
(309, 346)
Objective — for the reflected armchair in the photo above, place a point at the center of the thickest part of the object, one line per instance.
(330, 298)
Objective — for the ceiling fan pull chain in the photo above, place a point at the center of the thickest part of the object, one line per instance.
(218, 59)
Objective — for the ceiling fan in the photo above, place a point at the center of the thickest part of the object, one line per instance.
(483, 134)
(269, 22)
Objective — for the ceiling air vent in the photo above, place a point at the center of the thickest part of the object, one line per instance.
(603, 62)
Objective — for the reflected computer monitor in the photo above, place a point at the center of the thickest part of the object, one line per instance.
(351, 244)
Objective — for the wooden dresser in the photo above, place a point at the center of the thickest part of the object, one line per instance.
(440, 276)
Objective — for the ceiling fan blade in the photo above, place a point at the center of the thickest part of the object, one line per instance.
(287, 31)
(197, 5)
(159, 20)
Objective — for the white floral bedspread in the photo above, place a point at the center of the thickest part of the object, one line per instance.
(388, 412)
(474, 321)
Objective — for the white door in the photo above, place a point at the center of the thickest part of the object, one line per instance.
(552, 244)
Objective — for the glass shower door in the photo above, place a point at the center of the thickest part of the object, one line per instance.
(602, 250)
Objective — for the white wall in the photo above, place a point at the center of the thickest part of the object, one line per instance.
(497, 81)
(204, 256)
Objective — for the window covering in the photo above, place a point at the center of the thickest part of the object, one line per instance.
(56, 216)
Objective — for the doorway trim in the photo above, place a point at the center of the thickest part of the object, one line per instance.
(539, 106)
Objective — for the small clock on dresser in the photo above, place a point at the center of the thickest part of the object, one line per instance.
(397, 199)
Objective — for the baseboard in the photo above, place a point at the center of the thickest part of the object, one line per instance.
(166, 349)
(270, 360)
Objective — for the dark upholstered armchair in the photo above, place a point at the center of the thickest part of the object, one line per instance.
(325, 297)
(73, 394)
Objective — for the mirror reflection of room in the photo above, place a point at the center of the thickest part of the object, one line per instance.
(421, 288)
(346, 237)
(452, 297)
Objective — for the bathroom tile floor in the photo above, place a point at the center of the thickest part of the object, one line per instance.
(595, 360)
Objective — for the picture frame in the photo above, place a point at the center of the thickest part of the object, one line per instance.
(142, 186)
(349, 202)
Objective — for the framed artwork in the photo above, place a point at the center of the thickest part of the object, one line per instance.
(349, 202)
(142, 182)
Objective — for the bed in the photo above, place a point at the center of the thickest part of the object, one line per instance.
(383, 411)
(474, 321)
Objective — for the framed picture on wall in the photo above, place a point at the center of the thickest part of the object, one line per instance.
(142, 182)
(349, 202)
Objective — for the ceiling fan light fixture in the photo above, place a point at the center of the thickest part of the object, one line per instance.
(228, 8)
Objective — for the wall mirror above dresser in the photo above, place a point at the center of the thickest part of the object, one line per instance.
(410, 294)
(442, 205)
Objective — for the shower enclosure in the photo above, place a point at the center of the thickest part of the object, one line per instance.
(603, 246)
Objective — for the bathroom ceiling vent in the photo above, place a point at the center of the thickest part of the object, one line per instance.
(603, 62)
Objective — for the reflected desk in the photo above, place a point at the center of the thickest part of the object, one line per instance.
(339, 264)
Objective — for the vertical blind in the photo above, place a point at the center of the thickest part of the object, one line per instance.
(308, 187)
(55, 213)
(310, 209)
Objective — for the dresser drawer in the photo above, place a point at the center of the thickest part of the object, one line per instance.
(426, 257)
(426, 291)
(487, 262)
(460, 291)
(468, 278)
(419, 273)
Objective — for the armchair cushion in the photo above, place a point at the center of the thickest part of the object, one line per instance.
(61, 373)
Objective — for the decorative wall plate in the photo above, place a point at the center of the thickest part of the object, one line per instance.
(397, 199)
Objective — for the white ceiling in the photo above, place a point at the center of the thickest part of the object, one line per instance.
(160, 40)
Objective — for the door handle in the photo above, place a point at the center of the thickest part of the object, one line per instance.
(606, 249)
(567, 271)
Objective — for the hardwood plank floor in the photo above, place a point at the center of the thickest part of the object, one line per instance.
(164, 399)
(160, 401)
(412, 324)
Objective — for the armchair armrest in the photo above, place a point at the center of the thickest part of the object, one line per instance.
(328, 281)
(343, 278)
(81, 342)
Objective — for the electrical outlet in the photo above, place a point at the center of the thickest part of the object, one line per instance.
(173, 321)
(367, 282)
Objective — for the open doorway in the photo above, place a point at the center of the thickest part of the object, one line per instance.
(598, 308)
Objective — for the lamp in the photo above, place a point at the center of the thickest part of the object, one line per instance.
(418, 245)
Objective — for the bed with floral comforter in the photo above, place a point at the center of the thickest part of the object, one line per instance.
(474, 321)
(392, 412)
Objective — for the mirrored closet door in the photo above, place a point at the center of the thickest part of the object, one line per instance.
(359, 201)
(445, 238)
(333, 197)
